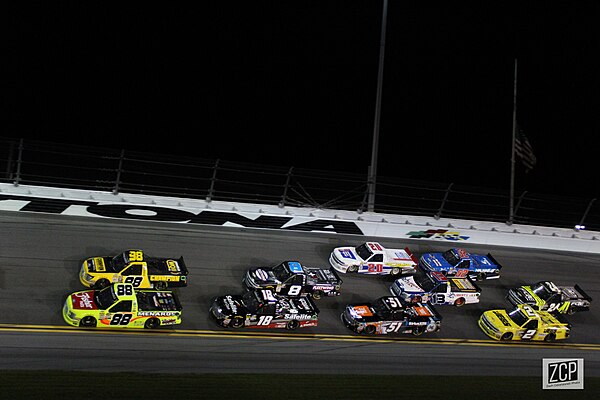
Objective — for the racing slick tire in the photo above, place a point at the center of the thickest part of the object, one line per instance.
(506, 336)
(459, 302)
(317, 294)
(418, 331)
(353, 268)
(481, 276)
(370, 329)
(292, 325)
(395, 271)
(88, 321)
(237, 322)
(571, 310)
(101, 283)
(152, 323)
(551, 337)
(160, 285)
(416, 299)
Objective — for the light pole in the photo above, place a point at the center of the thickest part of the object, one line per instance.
(373, 167)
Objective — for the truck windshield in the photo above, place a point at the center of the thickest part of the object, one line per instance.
(281, 272)
(364, 251)
(251, 301)
(105, 297)
(518, 317)
(119, 262)
(450, 256)
(541, 291)
(425, 281)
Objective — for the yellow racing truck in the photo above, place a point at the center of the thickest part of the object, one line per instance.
(120, 305)
(524, 323)
(135, 267)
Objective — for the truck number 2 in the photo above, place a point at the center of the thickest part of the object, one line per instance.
(528, 334)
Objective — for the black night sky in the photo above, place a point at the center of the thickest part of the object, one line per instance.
(293, 83)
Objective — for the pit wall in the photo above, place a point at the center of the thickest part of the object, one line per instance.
(39, 199)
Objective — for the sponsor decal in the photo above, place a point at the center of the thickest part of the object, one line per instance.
(363, 311)
(423, 311)
(230, 303)
(299, 317)
(295, 267)
(562, 373)
(502, 318)
(167, 214)
(84, 301)
(347, 253)
(261, 274)
(156, 313)
(442, 234)
(323, 287)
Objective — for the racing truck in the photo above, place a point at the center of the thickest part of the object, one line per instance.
(371, 258)
(524, 323)
(263, 309)
(135, 267)
(120, 305)
(389, 315)
(291, 278)
(451, 262)
(548, 296)
(436, 288)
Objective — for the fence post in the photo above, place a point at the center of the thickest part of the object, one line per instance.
(285, 189)
(587, 210)
(519, 204)
(19, 161)
(212, 182)
(439, 213)
(119, 169)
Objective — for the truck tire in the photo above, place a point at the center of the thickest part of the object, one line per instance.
(291, 325)
(152, 323)
(317, 294)
(88, 321)
(160, 285)
(237, 322)
(353, 268)
(459, 302)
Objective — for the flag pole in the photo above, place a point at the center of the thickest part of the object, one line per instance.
(512, 157)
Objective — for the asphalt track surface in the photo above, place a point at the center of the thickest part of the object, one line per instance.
(40, 256)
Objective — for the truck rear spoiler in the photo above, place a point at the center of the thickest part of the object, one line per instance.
(334, 272)
(582, 293)
(489, 255)
(182, 266)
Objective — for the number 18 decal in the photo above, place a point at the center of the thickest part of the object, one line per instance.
(264, 320)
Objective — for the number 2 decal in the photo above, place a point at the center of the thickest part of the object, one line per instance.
(528, 334)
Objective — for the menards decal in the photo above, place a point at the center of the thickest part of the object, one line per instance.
(443, 234)
(167, 214)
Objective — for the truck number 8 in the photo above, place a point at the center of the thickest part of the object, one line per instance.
(294, 290)
(124, 290)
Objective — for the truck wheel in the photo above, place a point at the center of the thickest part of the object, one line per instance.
(459, 302)
(291, 325)
(317, 294)
(88, 321)
(506, 336)
(160, 285)
(101, 284)
(370, 329)
(416, 299)
(396, 271)
(152, 323)
(571, 310)
(237, 322)
(481, 276)
(418, 331)
(353, 268)
(551, 337)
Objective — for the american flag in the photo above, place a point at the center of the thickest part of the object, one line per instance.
(524, 150)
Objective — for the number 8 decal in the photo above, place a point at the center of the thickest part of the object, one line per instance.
(294, 290)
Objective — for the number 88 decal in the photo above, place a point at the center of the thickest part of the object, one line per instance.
(120, 319)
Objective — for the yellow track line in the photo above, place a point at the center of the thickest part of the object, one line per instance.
(295, 336)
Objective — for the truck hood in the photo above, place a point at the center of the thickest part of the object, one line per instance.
(347, 255)
(500, 319)
(97, 264)
(231, 304)
(523, 295)
(263, 276)
(408, 285)
(435, 260)
(83, 300)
